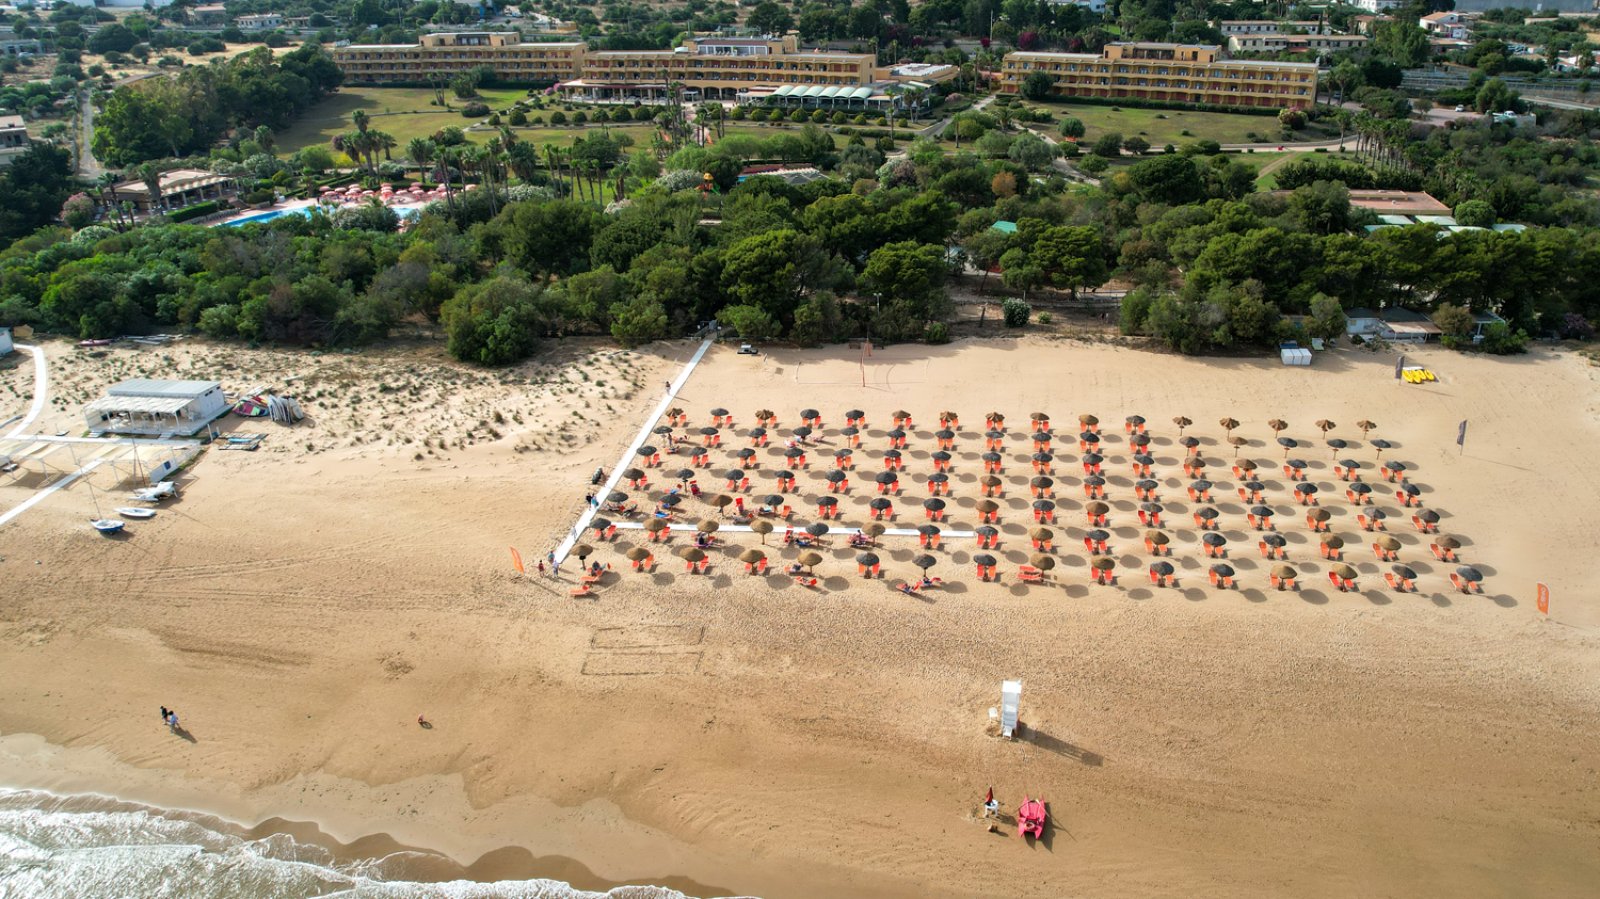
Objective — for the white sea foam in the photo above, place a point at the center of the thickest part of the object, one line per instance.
(91, 847)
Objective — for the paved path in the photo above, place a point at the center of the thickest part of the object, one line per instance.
(745, 529)
(37, 498)
(41, 389)
(633, 449)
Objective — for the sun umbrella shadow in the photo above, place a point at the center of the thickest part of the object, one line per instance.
(1441, 600)
(1502, 600)
(1193, 594)
(955, 588)
(1141, 593)
(1378, 598)
(1314, 597)
(1253, 595)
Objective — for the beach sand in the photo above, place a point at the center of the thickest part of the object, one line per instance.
(301, 605)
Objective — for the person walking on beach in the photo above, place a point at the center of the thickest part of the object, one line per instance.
(172, 721)
(541, 568)
(588, 499)
(164, 713)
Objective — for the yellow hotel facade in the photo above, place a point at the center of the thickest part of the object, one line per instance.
(715, 67)
(1167, 73)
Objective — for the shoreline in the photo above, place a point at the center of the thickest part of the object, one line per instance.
(29, 762)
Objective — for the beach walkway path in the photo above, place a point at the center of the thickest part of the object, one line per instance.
(626, 459)
(41, 390)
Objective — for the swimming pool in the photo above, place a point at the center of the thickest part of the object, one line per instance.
(405, 212)
(268, 216)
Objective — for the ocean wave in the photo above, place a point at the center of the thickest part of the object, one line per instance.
(93, 847)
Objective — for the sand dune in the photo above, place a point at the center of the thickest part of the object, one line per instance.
(301, 606)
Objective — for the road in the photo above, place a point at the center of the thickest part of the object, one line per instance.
(89, 168)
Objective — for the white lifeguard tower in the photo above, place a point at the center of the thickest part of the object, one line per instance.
(1010, 705)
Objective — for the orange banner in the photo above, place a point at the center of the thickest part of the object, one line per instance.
(516, 561)
(1542, 599)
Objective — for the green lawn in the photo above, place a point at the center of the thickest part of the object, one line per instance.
(405, 112)
(1167, 126)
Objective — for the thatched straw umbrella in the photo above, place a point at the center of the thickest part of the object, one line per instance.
(1324, 425)
(810, 560)
(924, 562)
(1365, 426)
(637, 554)
(1042, 561)
(762, 527)
(656, 525)
(1182, 421)
(1228, 424)
(707, 527)
(690, 553)
(1236, 441)
(1277, 425)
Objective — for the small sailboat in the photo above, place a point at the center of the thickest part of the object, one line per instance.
(107, 526)
(1031, 817)
(134, 512)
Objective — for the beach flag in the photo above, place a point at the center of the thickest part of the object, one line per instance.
(989, 798)
(516, 561)
(1542, 599)
(1461, 434)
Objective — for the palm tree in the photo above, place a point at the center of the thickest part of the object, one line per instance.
(523, 159)
(447, 156)
(264, 137)
(383, 140)
(151, 176)
(361, 119)
(108, 195)
(421, 151)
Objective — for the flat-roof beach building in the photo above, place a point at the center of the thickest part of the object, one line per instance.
(145, 406)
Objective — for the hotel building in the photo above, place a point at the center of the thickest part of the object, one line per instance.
(1279, 42)
(710, 67)
(447, 54)
(1167, 73)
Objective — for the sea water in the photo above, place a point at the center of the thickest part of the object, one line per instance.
(92, 847)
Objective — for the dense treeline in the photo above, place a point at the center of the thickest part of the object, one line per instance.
(188, 112)
(33, 187)
(870, 249)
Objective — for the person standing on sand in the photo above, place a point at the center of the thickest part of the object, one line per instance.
(164, 713)
(172, 721)
(541, 568)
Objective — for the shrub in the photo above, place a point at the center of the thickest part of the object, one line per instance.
(477, 109)
(1453, 320)
(1015, 313)
(1576, 327)
(1475, 213)
(580, 118)
(1500, 340)
(1046, 318)
(518, 118)
(558, 118)
(198, 210)
(938, 332)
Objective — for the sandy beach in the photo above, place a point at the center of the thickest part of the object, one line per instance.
(730, 734)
